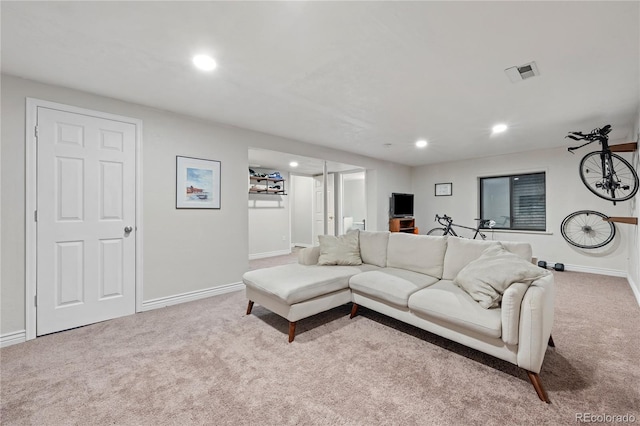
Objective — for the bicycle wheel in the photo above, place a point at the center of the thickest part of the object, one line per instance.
(437, 231)
(587, 229)
(619, 182)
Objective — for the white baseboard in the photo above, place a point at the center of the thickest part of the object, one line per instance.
(600, 271)
(304, 245)
(269, 254)
(13, 338)
(190, 296)
(634, 288)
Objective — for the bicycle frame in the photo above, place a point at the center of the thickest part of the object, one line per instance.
(609, 183)
(449, 227)
(607, 165)
(605, 162)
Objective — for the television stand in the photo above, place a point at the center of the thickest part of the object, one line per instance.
(403, 224)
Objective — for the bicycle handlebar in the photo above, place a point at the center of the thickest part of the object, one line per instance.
(445, 217)
(600, 135)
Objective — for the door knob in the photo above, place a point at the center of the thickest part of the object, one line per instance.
(128, 229)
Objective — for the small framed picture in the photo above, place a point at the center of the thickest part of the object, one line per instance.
(197, 183)
(444, 189)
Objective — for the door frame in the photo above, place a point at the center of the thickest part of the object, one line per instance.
(31, 202)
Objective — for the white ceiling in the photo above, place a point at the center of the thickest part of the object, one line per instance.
(350, 75)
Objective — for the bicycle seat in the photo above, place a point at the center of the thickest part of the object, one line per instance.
(605, 130)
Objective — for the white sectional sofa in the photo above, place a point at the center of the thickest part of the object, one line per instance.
(411, 278)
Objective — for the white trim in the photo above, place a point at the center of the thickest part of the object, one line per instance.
(634, 288)
(139, 223)
(13, 338)
(600, 271)
(162, 302)
(31, 201)
(269, 254)
(304, 245)
(489, 231)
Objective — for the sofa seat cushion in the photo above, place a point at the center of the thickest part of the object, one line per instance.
(390, 284)
(447, 302)
(296, 283)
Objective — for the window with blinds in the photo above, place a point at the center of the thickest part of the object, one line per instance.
(514, 202)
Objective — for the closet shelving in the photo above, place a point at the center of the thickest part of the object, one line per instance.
(266, 185)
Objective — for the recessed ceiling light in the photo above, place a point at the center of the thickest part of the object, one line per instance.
(421, 143)
(293, 164)
(204, 62)
(499, 128)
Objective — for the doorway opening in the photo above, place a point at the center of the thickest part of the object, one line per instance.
(312, 206)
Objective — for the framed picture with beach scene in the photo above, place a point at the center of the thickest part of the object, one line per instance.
(197, 183)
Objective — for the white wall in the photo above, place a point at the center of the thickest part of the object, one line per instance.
(269, 228)
(172, 238)
(301, 210)
(565, 194)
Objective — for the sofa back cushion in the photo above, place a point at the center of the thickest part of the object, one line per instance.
(373, 247)
(418, 253)
(462, 251)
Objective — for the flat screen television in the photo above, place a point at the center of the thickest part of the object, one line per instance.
(401, 205)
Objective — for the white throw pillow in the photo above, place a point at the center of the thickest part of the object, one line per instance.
(487, 278)
(342, 250)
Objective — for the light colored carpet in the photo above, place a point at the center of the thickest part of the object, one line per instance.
(206, 362)
(275, 260)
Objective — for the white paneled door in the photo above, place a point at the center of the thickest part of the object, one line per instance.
(85, 219)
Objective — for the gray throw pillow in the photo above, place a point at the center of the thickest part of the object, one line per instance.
(487, 278)
(342, 250)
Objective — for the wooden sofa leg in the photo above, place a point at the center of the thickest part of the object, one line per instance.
(551, 342)
(292, 331)
(354, 310)
(537, 384)
(249, 307)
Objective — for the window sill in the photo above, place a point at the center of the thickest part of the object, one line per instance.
(515, 231)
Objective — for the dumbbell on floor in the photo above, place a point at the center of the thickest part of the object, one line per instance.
(555, 266)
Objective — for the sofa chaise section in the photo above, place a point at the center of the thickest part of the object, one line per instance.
(298, 291)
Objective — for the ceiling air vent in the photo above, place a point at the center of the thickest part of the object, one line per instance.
(522, 72)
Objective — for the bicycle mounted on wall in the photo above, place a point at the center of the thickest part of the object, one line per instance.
(587, 229)
(608, 176)
(604, 173)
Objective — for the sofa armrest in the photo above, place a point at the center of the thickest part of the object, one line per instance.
(511, 303)
(536, 320)
(309, 255)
